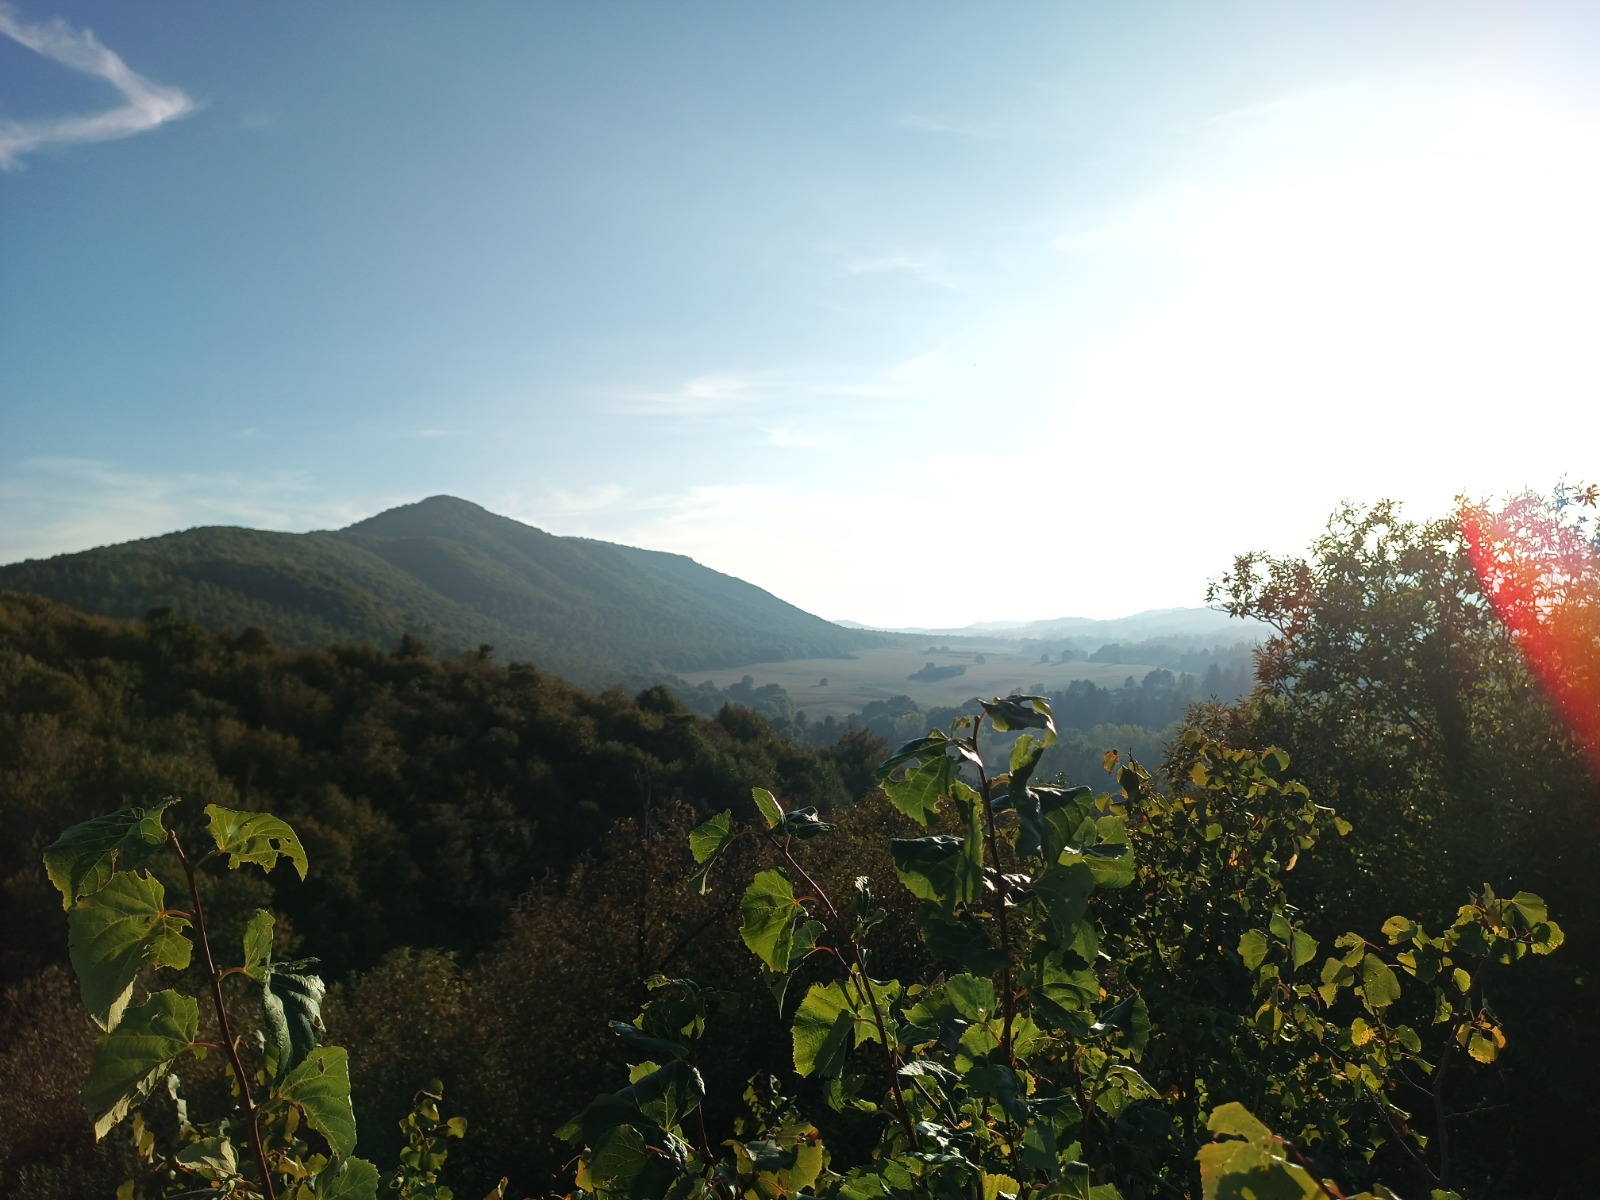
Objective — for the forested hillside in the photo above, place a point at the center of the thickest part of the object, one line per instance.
(458, 577)
(500, 861)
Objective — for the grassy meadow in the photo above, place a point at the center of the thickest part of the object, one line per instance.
(878, 674)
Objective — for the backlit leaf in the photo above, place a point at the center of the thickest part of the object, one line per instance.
(320, 1088)
(767, 914)
(82, 860)
(130, 1059)
(822, 1029)
(253, 837)
(767, 805)
(114, 933)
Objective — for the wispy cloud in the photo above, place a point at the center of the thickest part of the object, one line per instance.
(61, 505)
(145, 106)
(702, 395)
(929, 268)
(924, 123)
(801, 440)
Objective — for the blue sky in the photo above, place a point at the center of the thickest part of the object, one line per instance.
(873, 305)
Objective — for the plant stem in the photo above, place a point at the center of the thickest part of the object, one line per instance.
(228, 1039)
(860, 967)
(1008, 1001)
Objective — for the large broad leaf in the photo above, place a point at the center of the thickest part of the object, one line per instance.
(707, 842)
(938, 869)
(959, 939)
(291, 1016)
(320, 1088)
(767, 914)
(1250, 1162)
(253, 837)
(1064, 892)
(668, 1094)
(918, 790)
(1063, 812)
(822, 1030)
(132, 1057)
(115, 932)
(82, 859)
(767, 805)
(1378, 982)
(352, 1179)
(1021, 712)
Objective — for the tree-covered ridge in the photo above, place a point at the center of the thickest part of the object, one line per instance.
(464, 781)
(456, 576)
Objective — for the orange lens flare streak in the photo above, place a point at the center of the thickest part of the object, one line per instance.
(1543, 580)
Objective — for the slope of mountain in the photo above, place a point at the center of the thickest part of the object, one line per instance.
(456, 576)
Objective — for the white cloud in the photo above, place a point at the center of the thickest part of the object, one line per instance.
(929, 268)
(703, 395)
(800, 440)
(146, 105)
(60, 505)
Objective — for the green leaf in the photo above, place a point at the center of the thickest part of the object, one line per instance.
(1531, 907)
(804, 824)
(1378, 982)
(352, 1179)
(258, 945)
(1021, 712)
(253, 837)
(213, 1157)
(320, 1088)
(767, 805)
(1064, 892)
(291, 1016)
(1112, 864)
(707, 840)
(667, 1094)
(115, 932)
(82, 859)
(959, 939)
(1302, 948)
(918, 791)
(936, 868)
(132, 1057)
(822, 1027)
(706, 843)
(1062, 812)
(1253, 946)
(1025, 754)
(767, 912)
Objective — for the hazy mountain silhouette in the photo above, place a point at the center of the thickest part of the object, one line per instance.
(457, 576)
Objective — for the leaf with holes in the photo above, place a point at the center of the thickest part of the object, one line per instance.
(253, 837)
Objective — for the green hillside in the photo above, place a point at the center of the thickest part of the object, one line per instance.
(456, 576)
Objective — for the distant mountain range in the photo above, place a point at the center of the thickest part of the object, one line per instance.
(457, 576)
(1155, 623)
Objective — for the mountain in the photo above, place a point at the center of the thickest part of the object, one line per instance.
(1153, 623)
(457, 576)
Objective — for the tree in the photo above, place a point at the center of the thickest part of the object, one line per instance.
(1399, 682)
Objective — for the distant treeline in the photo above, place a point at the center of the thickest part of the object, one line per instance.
(1150, 704)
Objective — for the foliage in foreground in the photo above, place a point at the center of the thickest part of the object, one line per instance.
(1123, 979)
(292, 1131)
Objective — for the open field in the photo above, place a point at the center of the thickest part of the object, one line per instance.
(882, 673)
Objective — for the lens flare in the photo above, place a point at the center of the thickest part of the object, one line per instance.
(1542, 575)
